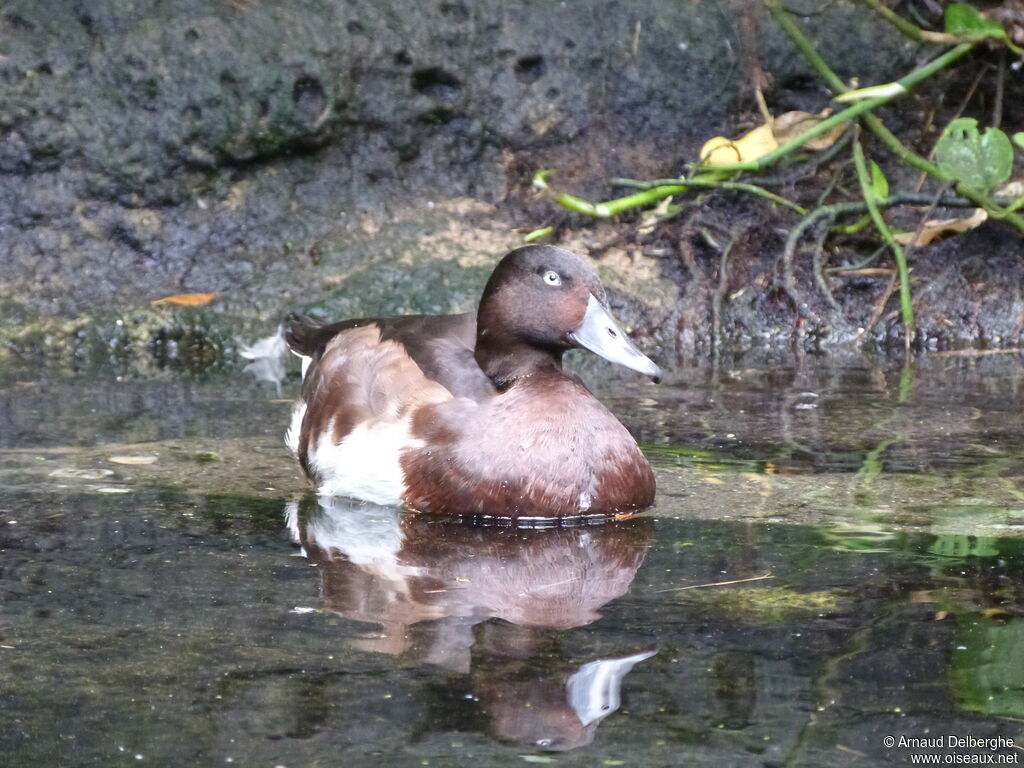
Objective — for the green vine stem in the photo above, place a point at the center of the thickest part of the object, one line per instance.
(651, 193)
(906, 308)
(910, 29)
(710, 183)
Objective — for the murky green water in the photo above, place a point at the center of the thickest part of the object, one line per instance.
(170, 596)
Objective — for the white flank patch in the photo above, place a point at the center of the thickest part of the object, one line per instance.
(364, 464)
(291, 437)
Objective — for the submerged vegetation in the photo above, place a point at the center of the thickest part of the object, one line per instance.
(968, 167)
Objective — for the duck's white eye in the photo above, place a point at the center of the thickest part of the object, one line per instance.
(552, 278)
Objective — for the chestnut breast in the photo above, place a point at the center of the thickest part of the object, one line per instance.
(545, 448)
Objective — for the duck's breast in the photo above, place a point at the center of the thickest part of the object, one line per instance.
(544, 448)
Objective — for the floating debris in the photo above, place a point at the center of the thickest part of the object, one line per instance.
(70, 473)
(133, 460)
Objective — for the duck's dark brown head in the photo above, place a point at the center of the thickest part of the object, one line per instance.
(539, 302)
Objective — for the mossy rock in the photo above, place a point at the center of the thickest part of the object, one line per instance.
(136, 341)
(417, 284)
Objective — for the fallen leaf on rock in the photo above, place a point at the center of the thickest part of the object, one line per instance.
(936, 229)
(768, 137)
(1013, 188)
(67, 473)
(187, 299)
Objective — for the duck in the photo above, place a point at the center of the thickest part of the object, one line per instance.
(472, 415)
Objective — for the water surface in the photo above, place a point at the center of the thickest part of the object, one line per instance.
(836, 556)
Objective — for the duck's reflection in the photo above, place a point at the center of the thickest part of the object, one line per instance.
(429, 582)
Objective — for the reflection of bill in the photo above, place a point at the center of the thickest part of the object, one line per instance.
(429, 582)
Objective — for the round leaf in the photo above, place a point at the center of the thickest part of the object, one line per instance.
(965, 21)
(981, 160)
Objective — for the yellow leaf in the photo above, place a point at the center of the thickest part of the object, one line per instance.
(719, 151)
(766, 138)
(750, 146)
(187, 299)
(936, 229)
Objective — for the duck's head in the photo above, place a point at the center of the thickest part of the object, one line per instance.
(541, 301)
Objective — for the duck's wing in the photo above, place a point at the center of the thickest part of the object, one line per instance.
(364, 381)
(441, 346)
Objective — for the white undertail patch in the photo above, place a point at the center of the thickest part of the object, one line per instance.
(291, 437)
(306, 362)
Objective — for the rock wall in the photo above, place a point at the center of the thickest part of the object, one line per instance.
(269, 152)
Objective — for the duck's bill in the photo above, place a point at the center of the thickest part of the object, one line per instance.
(601, 335)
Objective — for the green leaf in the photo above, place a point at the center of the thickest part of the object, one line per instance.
(1019, 139)
(981, 160)
(965, 21)
(879, 185)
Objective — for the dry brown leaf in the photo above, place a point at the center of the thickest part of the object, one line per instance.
(996, 613)
(789, 125)
(187, 299)
(936, 229)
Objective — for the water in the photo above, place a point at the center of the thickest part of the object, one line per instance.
(837, 556)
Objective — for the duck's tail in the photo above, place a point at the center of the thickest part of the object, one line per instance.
(301, 334)
(304, 338)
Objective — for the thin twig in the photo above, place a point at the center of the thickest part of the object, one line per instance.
(997, 108)
(879, 308)
(922, 224)
(718, 583)
(852, 268)
(819, 275)
(719, 295)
